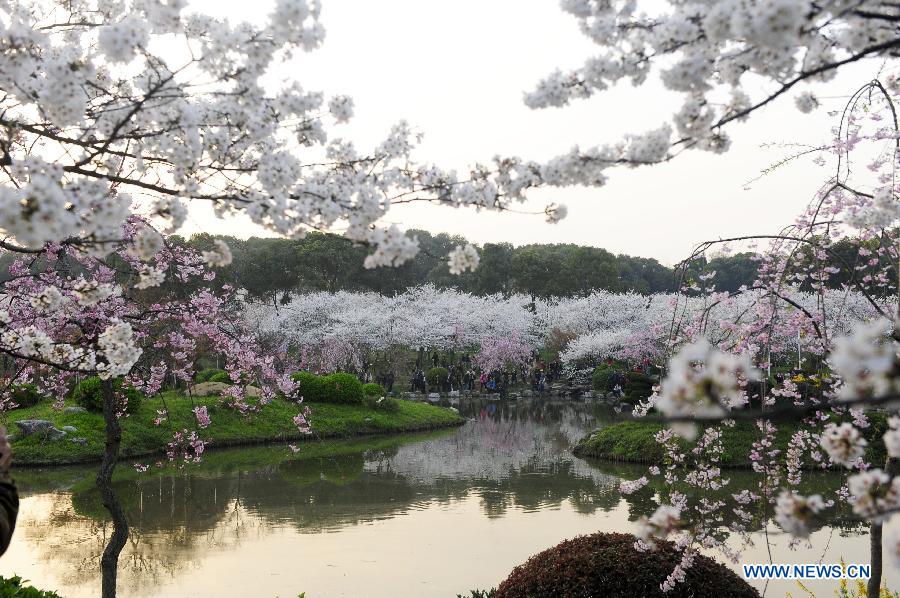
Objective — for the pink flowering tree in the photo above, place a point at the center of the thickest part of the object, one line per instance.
(848, 340)
(117, 117)
(503, 351)
(67, 314)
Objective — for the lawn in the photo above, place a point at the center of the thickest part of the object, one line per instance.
(634, 442)
(140, 437)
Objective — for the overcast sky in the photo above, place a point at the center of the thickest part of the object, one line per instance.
(457, 71)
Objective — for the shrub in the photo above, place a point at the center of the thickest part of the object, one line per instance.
(89, 395)
(25, 395)
(342, 388)
(638, 387)
(205, 375)
(602, 380)
(436, 377)
(608, 565)
(385, 404)
(374, 390)
(311, 386)
(13, 587)
(220, 376)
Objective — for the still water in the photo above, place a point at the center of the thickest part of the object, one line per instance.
(418, 515)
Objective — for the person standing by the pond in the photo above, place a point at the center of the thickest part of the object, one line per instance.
(9, 497)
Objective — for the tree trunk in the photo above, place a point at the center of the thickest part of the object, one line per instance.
(891, 467)
(109, 562)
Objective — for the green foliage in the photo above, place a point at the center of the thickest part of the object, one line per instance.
(609, 565)
(220, 376)
(384, 404)
(88, 393)
(436, 377)
(205, 375)
(342, 388)
(633, 441)
(310, 387)
(638, 387)
(25, 395)
(602, 378)
(12, 587)
(272, 269)
(374, 390)
(624, 441)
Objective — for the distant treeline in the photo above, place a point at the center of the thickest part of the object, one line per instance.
(272, 269)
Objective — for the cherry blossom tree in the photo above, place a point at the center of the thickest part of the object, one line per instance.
(115, 117)
(856, 365)
(727, 58)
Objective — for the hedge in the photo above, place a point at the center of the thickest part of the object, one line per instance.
(608, 565)
(88, 394)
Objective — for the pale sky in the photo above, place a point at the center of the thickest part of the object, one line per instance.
(457, 70)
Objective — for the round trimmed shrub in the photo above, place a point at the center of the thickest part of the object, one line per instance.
(638, 387)
(25, 395)
(608, 565)
(220, 376)
(374, 390)
(89, 394)
(205, 375)
(310, 386)
(342, 388)
(436, 377)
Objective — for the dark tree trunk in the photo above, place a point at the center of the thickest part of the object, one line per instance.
(109, 562)
(892, 468)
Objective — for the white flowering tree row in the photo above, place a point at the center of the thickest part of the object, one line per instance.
(625, 326)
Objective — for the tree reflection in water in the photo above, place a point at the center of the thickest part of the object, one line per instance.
(511, 455)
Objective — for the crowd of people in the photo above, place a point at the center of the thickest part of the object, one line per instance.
(448, 371)
(460, 373)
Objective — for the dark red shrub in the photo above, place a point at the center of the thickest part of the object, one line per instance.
(608, 566)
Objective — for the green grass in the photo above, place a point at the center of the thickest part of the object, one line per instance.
(140, 437)
(634, 442)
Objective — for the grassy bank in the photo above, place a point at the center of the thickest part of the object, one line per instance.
(140, 437)
(634, 442)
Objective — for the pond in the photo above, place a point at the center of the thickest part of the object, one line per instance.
(418, 515)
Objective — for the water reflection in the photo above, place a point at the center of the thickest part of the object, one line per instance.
(447, 511)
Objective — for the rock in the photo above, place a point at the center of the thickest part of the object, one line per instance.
(56, 434)
(69, 429)
(74, 410)
(41, 427)
(434, 396)
(81, 441)
(454, 410)
(208, 389)
(454, 393)
(34, 426)
(368, 419)
(626, 407)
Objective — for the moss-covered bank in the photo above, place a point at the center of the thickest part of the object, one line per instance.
(274, 423)
(634, 442)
